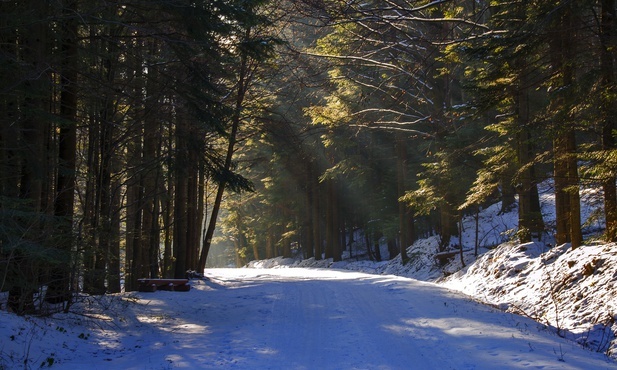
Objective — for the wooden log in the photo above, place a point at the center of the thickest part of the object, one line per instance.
(163, 281)
(152, 285)
(147, 288)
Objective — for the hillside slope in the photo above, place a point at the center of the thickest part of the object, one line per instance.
(573, 291)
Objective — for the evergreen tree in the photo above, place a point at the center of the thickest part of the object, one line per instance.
(503, 73)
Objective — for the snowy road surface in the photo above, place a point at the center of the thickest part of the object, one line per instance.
(324, 319)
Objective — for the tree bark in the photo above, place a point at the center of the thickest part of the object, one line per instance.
(307, 229)
(181, 200)
(269, 244)
(333, 241)
(405, 226)
(104, 201)
(134, 216)
(244, 77)
(193, 226)
(574, 198)
(9, 129)
(168, 229)
(150, 198)
(567, 199)
(530, 221)
(316, 218)
(59, 286)
(32, 155)
(607, 55)
(508, 193)
(113, 263)
(88, 232)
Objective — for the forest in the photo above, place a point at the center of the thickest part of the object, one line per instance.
(136, 134)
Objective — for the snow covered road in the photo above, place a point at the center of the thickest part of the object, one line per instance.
(324, 319)
(307, 319)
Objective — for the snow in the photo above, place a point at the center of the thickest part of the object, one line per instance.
(291, 318)
(514, 306)
(572, 290)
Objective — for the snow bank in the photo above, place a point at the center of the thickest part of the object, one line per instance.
(572, 291)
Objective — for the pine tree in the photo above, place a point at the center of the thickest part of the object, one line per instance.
(501, 79)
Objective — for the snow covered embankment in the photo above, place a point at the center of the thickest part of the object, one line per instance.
(572, 291)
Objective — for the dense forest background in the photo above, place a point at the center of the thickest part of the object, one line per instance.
(133, 130)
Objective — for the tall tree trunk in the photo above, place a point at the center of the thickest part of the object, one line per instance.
(307, 228)
(244, 78)
(530, 221)
(107, 122)
(150, 199)
(104, 191)
(255, 252)
(152, 143)
(151, 209)
(286, 243)
(574, 199)
(316, 217)
(331, 236)
(609, 112)
(207, 240)
(561, 199)
(337, 224)
(405, 222)
(202, 213)
(10, 160)
(113, 263)
(376, 245)
(309, 198)
(269, 244)
(88, 232)
(342, 227)
(168, 229)
(180, 225)
(567, 199)
(32, 153)
(181, 200)
(193, 226)
(461, 241)
(59, 285)
(134, 216)
(508, 193)
(168, 214)
(448, 225)
(240, 249)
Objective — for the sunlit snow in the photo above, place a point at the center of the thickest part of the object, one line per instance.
(294, 319)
